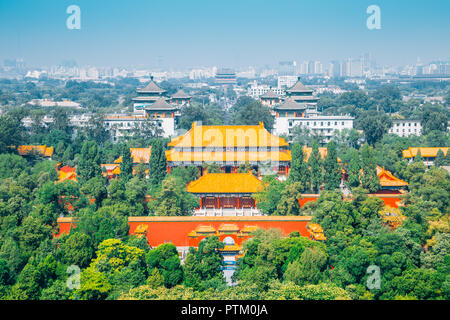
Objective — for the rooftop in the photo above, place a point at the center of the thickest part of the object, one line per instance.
(225, 183)
(228, 136)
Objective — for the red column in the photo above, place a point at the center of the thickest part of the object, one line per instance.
(238, 202)
(201, 204)
(218, 202)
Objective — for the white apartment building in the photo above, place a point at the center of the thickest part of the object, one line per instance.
(286, 81)
(406, 127)
(256, 91)
(121, 125)
(325, 126)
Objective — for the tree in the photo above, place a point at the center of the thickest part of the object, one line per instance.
(440, 159)
(252, 114)
(375, 125)
(332, 176)
(95, 189)
(172, 199)
(12, 132)
(299, 169)
(353, 169)
(368, 176)
(434, 118)
(204, 263)
(308, 268)
(105, 223)
(289, 205)
(95, 129)
(268, 198)
(89, 163)
(126, 166)
(158, 163)
(78, 249)
(314, 163)
(166, 261)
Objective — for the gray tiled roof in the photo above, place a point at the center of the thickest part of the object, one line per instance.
(151, 87)
(299, 87)
(161, 104)
(290, 104)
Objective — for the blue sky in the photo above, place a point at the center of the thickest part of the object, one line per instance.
(187, 33)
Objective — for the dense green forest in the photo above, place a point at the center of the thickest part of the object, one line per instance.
(413, 260)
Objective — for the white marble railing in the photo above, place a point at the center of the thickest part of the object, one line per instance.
(227, 212)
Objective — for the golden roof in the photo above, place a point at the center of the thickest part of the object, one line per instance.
(228, 156)
(387, 179)
(205, 229)
(425, 152)
(228, 136)
(139, 155)
(111, 169)
(66, 176)
(319, 236)
(228, 228)
(231, 248)
(314, 227)
(140, 229)
(42, 150)
(249, 229)
(225, 183)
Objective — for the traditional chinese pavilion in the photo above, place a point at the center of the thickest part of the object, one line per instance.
(303, 95)
(270, 98)
(148, 95)
(225, 190)
(229, 146)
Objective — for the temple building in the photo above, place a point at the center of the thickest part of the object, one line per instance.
(226, 193)
(230, 146)
(303, 95)
(180, 98)
(388, 181)
(428, 154)
(148, 95)
(299, 109)
(41, 150)
(270, 98)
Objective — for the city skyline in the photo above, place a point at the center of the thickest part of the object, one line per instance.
(179, 34)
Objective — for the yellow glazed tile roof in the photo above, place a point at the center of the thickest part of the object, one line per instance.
(425, 152)
(42, 150)
(387, 179)
(139, 155)
(228, 156)
(228, 227)
(225, 183)
(228, 136)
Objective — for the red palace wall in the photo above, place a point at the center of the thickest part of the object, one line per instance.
(175, 229)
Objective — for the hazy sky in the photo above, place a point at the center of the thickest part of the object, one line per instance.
(226, 33)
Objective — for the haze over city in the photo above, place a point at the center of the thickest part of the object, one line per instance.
(181, 34)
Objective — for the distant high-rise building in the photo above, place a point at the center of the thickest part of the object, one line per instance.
(287, 68)
(335, 69)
